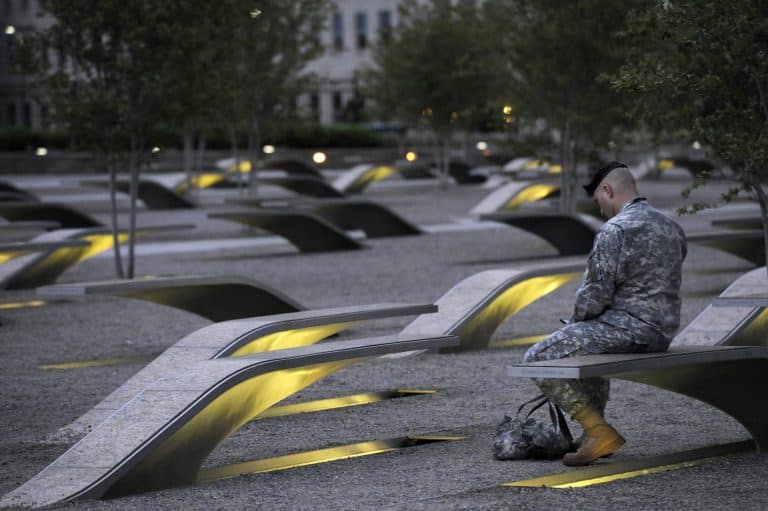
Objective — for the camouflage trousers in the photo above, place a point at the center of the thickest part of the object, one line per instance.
(574, 339)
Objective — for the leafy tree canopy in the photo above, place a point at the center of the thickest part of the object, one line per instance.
(441, 67)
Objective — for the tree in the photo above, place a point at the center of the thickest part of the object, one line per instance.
(203, 61)
(558, 53)
(107, 81)
(440, 67)
(275, 42)
(702, 66)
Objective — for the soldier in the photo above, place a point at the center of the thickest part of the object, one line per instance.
(629, 302)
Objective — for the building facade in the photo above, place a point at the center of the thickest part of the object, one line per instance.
(352, 29)
(19, 106)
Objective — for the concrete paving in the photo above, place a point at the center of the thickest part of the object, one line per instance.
(472, 390)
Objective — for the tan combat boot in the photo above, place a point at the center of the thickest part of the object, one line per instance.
(599, 439)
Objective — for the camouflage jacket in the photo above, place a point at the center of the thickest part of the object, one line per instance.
(633, 275)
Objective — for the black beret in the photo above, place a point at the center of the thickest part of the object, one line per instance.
(600, 175)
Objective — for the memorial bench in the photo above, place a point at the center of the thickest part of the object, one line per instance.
(745, 222)
(306, 231)
(26, 264)
(161, 437)
(575, 233)
(66, 216)
(241, 337)
(513, 195)
(218, 298)
(376, 220)
(44, 267)
(718, 367)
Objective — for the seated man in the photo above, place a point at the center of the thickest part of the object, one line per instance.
(629, 302)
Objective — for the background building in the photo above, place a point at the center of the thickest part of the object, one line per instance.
(353, 28)
(19, 106)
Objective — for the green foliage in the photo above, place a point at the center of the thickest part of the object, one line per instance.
(440, 69)
(702, 66)
(559, 52)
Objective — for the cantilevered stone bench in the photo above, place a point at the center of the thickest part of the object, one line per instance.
(575, 233)
(356, 179)
(569, 234)
(307, 231)
(513, 195)
(475, 307)
(376, 220)
(304, 185)
(237, 338)
(65, 215)
(720, 358)
(25, 264)
(14, 193)
(156, 196)
(746, 222)
(727, 377)
(39, 269)
(218, 298)
(747, 245)
(161, 437)
(738, 317)
(295, 168)
(28, 225)
(349, 182)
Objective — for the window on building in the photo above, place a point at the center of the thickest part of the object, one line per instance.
(338, 107)
(8, 57)
(361, 29)
(338, 31)
(11, 115)
(45, 117)
(314, 106)
(7, 7)
(27, 115)
(385, 26)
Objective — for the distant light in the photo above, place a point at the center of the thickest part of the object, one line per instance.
(41, 151)
(255, 13)
(10, 30)
(482, 145)
(268, 149)
(319, 157)
(507, 110)
(411, 156)
(155, 150)
(696, 145)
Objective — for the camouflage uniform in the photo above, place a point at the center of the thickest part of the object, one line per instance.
(629, 301)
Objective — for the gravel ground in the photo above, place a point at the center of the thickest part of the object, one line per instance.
(472, 395)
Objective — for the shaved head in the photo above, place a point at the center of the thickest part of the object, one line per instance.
(621, 180)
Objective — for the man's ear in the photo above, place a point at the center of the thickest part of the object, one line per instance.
(608, 190)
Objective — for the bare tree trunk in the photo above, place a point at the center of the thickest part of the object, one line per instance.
(137, 152)
(254, 147)
(112, 167)
(763, 200)
(199, 155)
(189, 155)
(444, 162)
(565, 172)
